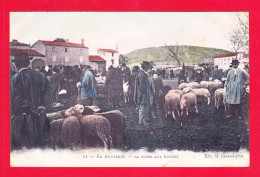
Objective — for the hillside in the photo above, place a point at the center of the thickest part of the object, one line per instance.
(161, 55)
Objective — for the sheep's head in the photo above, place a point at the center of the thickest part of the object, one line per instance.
(70, 112)
(187, 89)
(79, 109)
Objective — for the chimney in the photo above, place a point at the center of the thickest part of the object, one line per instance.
(82, 41)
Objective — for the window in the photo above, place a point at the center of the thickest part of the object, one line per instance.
(53, 49)
(112, 61)
(112, 54)
(54, 59)
(66, 49)
(67, 59)
(81, 59)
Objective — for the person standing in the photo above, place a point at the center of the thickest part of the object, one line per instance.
(217, 74)
(132, 84)
(143, 92)
(87, 87)
(30, 91)
(158, 103)
(235, 85)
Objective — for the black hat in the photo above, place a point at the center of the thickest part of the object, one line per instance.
(21, 57)
(235, 62)
(147, 64)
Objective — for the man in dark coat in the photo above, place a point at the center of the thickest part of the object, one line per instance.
(217, 74)
(132, 83)
(143, 93)
(114, 86)
(29, 91)
(125, 73)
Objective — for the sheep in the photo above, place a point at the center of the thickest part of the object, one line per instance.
(191, 84)
(220, 94)
(70, 132)
(172, 101)
(56, 128)
(92, 125)
(180, 92)
(201, 92)
(56, 115)
(117, 121)
(212, 86)
(188, 100)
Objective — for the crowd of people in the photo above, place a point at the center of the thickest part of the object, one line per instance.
(34, 91)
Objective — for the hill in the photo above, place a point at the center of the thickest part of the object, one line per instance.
(161, 55)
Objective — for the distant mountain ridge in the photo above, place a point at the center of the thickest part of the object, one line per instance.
(161, 55)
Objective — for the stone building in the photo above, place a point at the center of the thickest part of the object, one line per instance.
(223, 61)
(111, 56)
(18, 45)
(98, 63)
(38, 59)
(63, 52)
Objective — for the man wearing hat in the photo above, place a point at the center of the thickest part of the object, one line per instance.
(29, 91)
(235, 85)
(144, 93)
(87, 87)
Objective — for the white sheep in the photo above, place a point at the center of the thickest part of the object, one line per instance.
(202, 92)
(220, 94)
(172, 101)
(188, 101)
(191, 84)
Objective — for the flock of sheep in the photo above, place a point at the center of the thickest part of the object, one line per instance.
(80, 127)
(185, 98)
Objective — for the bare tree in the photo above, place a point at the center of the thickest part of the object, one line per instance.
(239, 37)
(174, 53)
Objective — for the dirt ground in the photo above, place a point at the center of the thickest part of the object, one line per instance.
(209, 130)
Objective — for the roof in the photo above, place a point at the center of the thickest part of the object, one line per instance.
(108, 50)
(96, 58)
(228, 55)
(30, 52)
(66, 44)
(18, 44)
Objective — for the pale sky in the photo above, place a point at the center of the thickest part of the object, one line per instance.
(127, 30)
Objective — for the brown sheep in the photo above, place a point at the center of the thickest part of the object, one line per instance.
(64, 131)
(56, 127)
(172, 101)
(117, 121)
(92, 125)
(70, 133)
(188, 101)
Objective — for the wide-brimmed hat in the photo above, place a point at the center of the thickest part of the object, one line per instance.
(147, 64)
(235, 62)
(21, 57)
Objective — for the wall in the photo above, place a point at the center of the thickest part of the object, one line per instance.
(108, 57)
(71, 57)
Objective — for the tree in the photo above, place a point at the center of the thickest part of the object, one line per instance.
(239, 37)
(174, 54)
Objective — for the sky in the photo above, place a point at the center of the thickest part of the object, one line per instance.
(125, 31)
